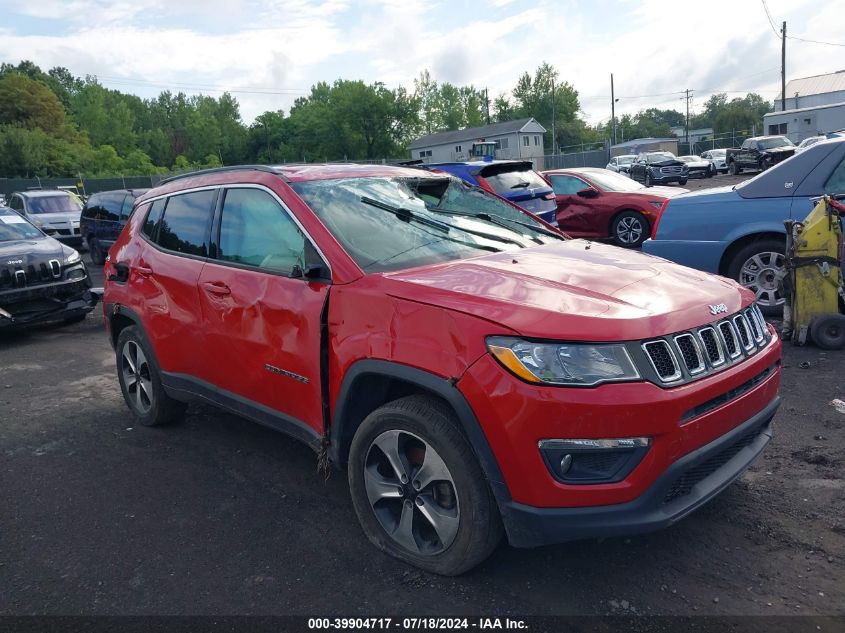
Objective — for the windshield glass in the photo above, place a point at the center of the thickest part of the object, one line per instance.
(689, 159)
(511, 180)
(54, 204)
(658, 157)
(625, 160)
(718, 153)
(771, 143)
(380, 240)
(611, 181)
(14, 227)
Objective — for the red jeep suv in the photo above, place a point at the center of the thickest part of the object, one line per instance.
(474, 371)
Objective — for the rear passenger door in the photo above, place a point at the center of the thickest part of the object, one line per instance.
(261, 318)
(164, 274)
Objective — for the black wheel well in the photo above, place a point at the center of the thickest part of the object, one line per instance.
(741, 243)
(118, 323)
(367, 393)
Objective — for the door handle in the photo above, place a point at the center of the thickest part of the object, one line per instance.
(145, 271)
(216, 288)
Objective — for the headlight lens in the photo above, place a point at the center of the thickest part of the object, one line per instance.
(72, 257)
(563, 363)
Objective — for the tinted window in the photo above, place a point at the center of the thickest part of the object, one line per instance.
(14, 227)
(111, 204)
(255, 230)
(184, 226)
(515, 180)
(16, 203)
(91, 209)
(836, 182)
(126, 209)
(150, 228)
(567, 185)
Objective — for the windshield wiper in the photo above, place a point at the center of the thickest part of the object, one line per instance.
(498, 221)
(521, 185)
(407, 215)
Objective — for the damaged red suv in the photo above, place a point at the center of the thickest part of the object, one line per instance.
(473, 371)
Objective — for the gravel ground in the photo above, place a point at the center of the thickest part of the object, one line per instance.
(222, 516)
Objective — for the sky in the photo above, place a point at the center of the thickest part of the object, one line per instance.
(269, 52)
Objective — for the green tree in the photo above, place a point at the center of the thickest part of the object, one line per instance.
(29, 103)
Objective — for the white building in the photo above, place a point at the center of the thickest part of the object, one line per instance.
(520, 139)
(798, 124)
(695, 136)
(817, 90)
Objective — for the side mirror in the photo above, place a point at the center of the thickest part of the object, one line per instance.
(588, 192)
(311, 271)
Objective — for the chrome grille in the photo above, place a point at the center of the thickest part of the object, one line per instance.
(662, 360)
(673, 171)
(729, 339)
(710, 341)
(689, 355)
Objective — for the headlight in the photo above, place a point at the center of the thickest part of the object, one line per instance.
(72, 257)
(563, 363)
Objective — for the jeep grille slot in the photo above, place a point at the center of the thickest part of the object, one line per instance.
(729, 338)
(662, 360)
(711, 346)
(689, 352)
(744, 331)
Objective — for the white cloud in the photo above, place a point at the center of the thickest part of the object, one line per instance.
(653, 47)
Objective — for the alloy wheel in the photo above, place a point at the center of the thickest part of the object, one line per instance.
(629, 230)
(136, 377)
(763, 273)
(412, 492)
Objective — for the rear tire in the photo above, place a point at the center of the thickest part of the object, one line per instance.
(734, 169)
(682, 182)
(828, 331)
(140, 381)
(394, 445)
(647, 181)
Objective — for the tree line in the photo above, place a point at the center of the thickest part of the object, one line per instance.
(56, 124)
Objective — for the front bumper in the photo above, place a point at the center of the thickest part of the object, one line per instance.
(685, 486)
(46, 302)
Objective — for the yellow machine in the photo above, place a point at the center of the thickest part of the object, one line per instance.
(813, 284)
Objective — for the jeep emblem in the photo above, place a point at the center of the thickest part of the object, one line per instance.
(718, 308)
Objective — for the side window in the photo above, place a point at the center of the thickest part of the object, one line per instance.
(185, 223)
(836, 182)
(126, 209)
(150, 228)
(526, 140)
(256, 231)
(16, 203)
(111, 207)
(90, 210)
(567, 185)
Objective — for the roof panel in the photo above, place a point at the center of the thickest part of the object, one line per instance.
(816, 85)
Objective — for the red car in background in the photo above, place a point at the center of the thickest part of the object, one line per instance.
(598, 203)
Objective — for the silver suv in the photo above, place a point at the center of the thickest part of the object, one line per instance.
(54, 211)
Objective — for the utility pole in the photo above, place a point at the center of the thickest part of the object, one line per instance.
(686, 126)
(554, 139)
(487, 105)
(612, 110)
(783, 67)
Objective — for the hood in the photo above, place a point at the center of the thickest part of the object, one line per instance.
(654, 192)
(30, 251)
(716, 194)
(52, 218)
(576, 290)
(786, 149)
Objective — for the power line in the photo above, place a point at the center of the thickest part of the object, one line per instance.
(769, 16)
(802, 39)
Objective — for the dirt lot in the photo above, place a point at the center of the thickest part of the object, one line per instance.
(221, 516)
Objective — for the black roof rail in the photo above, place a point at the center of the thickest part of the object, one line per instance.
(218, 170)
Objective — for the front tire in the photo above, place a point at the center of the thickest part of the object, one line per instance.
(629, 229)
(734, 169)
(140, 381)
(682, 182)
(95, 249)
(828, 331)
(648, 180)
(418, 489)
(760, 267)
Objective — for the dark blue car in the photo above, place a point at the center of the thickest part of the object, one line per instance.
(103, 218)
(513, 180)
(738, 231)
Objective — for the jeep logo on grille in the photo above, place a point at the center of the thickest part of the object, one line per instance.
(718, 308)
(12, 262)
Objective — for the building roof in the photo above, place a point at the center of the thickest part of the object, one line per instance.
(807, 109)
(815, 85)
(474, 133)
(644, 141)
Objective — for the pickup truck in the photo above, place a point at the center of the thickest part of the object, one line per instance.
(759, 152)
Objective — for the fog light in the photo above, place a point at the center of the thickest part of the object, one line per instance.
(565, 464)
(586, 461)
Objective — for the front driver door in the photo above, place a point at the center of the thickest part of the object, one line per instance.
(261, 318)
(573, 211)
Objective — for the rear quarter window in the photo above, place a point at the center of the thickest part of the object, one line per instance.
(186, 222)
